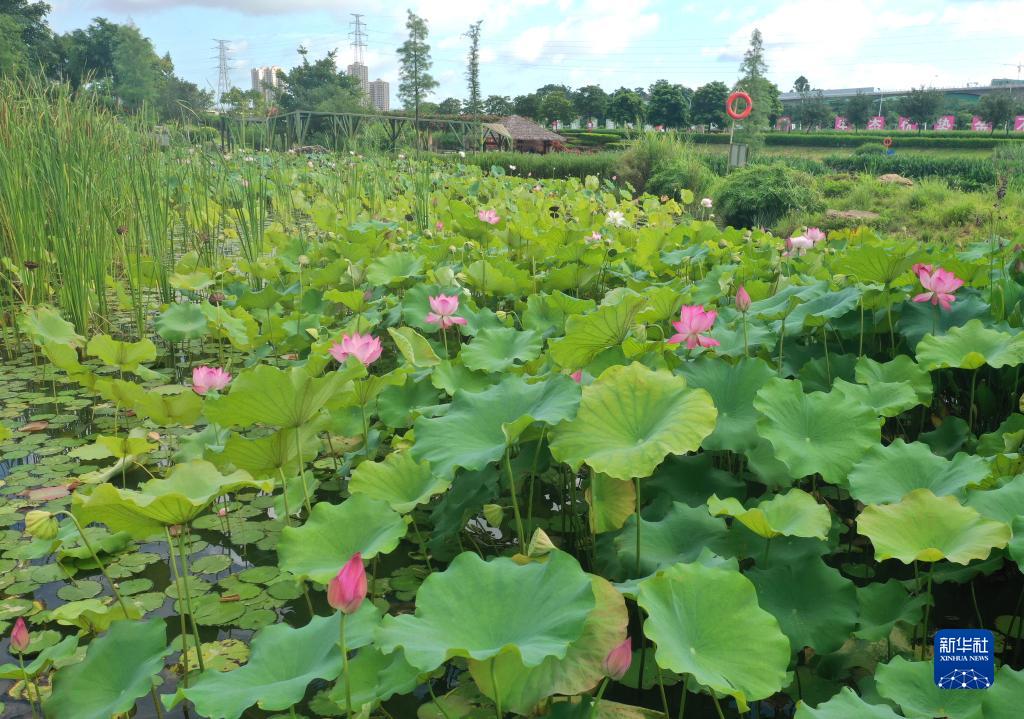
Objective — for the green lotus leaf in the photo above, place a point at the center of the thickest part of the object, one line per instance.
(57, 652)
(119, 667)
(882, 605)
(415, 348)
(815, 433)
(793, 592)
(334, 532)
(630, 419)
(587, 336)
(816, 311)
(1002, 699)
(887, 473)
(611, 502)
(920, 319)
(845, 705)
(732, 388)
(480, 425)
(928, 528)
(191, 281)
(125, 356)
(706, 623)
(44, 325)
(393, 268)
(888, 399)
(679, 536)
(182, 321)
(876, 263)
(479, 609)
(1003, 504)
(500, 348)
(579, 671)
(119, 447)
(375, 678)
(793, 514)
(188, 489)
(168, 405)
(398, 406)
(911, 685)
(399, 480)
(784, 301)
(970, 347)
(271, 455)
(1007, 437)
(283, 662)
(901, 370)
(272, 396)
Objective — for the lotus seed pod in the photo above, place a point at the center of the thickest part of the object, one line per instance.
(540, 544)
(41, 525)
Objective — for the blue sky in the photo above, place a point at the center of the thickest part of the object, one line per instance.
(527, 43)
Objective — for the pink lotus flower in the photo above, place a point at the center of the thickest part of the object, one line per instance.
(577, 376)
(814, 235)
(593, 237)
(742, 299)
(489, 216)
(941, 284)
(365, 348)
(439, 225)
(444, 308)
(616, 664)
(348, 589)
(797, 246)
(693, 320)
(206, 378)
(706, 203)
(19, 636)
(222, 512)
(916, 269)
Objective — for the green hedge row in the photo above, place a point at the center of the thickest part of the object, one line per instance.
(553, 165)
(935, 141)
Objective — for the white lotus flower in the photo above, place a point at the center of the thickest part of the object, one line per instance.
(616, 218)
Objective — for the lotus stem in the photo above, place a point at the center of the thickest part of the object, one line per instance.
(661, 689)
(284, 496)
(419, 538)
(302, 469)
(156, 703)
(682, 699)
(95, 557)
(181, 617)
(497, 694)
(31, 683)
(597, 698)
(927, 609)
(636, 483)
(718, 707)
(515, 499)
(344, 664)
(183, 556)
(440, 708)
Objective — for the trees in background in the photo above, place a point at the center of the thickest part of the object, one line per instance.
(999, 108)
(474, 105)
(320, 86)
(556, 105)
(452, 106)
(763, 92)
(499, 105)
(591, 101)
(921, 106)
(625, 106)
(414, 63)
(708, 106)
(669, 104)
(858, 109)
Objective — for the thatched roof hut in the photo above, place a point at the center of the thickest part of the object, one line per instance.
(519, 133)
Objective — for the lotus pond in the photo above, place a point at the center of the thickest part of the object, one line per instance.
(597, 457)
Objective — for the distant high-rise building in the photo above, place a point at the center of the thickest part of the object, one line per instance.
(359, 71)
(380, 95)
(265, 80)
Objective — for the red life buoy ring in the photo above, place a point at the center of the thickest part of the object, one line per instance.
(887, 142)
(745, 112)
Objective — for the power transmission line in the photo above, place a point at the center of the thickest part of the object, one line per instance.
(358, 39)
(223, 70)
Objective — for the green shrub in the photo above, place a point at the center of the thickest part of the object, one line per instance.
(647, 154)
(688, 172)
(759, 195)
(554, 165)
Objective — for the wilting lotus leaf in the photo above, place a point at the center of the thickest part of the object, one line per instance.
(399, 480)
(579, 671)
(284, 661)
(375, 678)
(479, 425)
(680, 536)
(928, 528)
(125, 356)
(496, 349)
(181, 321)
(912, 686)
(887, 473)
(901, 370)
(334, 532)
(44, 324)
(630, 419)
(611, 502)
(272, 396)
(793, 593)
(970, 347)
(706, 623)
(817, 432)
(882, 605)
(183, 495)
(793, 514)
(587, 336)
(479, 609)
(845, 705)
(118, 668)
(733, 388)
(414, 347)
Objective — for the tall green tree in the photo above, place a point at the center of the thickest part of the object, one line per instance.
(139, 72)
(815, 112)
(499, 105)
(320, 87)
(528, 106)
(557, 106)
(763, 92)
(708, 107)
(999, 108)
(921, 105)
(625, 106)
(415, 81)
(858, 109)
(801, 85)
(26, 41)
(474, 105)
(669, 104)
(451, 106)
(591, 102)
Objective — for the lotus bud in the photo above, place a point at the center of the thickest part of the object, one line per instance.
(722, 244)
(501, 315)
(347, 590)
(742, 299)
(540, 544)
(41, 525)
(303, 260)
(19, 636)
(616, 664)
